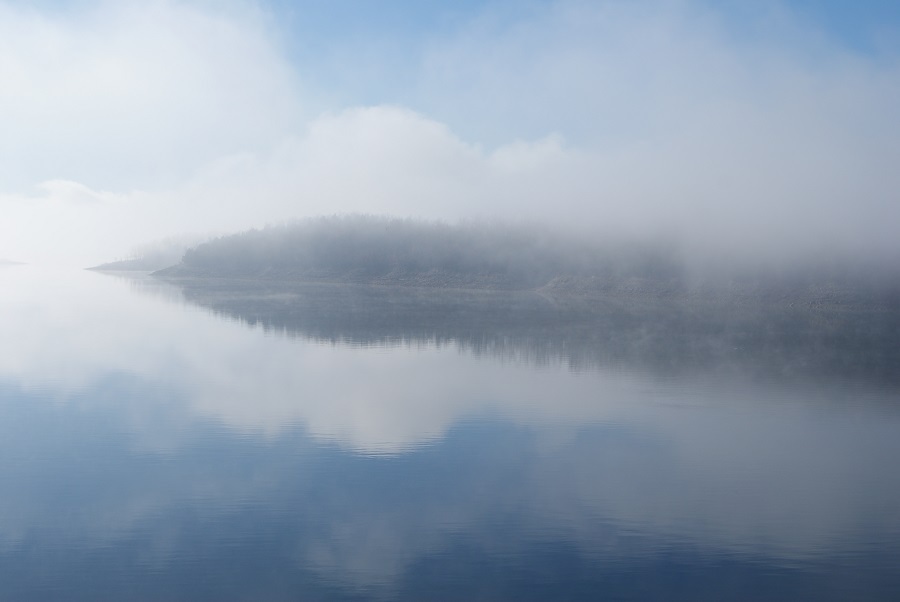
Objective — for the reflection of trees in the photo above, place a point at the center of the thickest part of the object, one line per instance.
(591, 304)
(664, 337)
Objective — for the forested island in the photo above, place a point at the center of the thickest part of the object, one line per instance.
(384, 251)
(527, 291)
(378, 250)
(372, 250)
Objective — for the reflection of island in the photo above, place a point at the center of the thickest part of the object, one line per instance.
(280, 466)
(528, 292)
(764, 339)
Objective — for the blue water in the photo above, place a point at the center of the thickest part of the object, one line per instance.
(162, 443)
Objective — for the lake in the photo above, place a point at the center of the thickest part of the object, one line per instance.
(215, 441)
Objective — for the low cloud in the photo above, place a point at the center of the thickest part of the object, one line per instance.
(637, 120)
(125, 95)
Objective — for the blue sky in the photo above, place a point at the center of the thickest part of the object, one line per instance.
(314, 25)
(726, 124)
(361, 52)
(852, 22)
(397, 32)
(858, 24)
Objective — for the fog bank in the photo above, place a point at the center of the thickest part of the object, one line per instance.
(770, 142)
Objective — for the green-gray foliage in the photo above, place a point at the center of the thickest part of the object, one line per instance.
(367, 248)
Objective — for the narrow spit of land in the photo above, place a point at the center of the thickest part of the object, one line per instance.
(382, 251)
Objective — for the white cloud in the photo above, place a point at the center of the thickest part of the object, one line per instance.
(634, 119)
(136, 94)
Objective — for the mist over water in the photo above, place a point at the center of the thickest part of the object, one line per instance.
(205, 442)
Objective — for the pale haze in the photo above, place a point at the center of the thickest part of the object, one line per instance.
(769, 132)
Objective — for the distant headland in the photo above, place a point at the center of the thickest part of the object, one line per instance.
(385, 251)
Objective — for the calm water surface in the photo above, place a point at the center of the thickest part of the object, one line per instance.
(203, 443)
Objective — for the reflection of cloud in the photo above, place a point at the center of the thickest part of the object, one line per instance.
(370, 399)
(760, 487)
(376, 400)
(744, 468)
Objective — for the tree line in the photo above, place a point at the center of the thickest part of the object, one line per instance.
(526, 255)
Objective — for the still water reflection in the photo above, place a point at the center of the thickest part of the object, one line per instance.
(192, 443)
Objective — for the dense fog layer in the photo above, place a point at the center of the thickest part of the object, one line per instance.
(759, 133)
